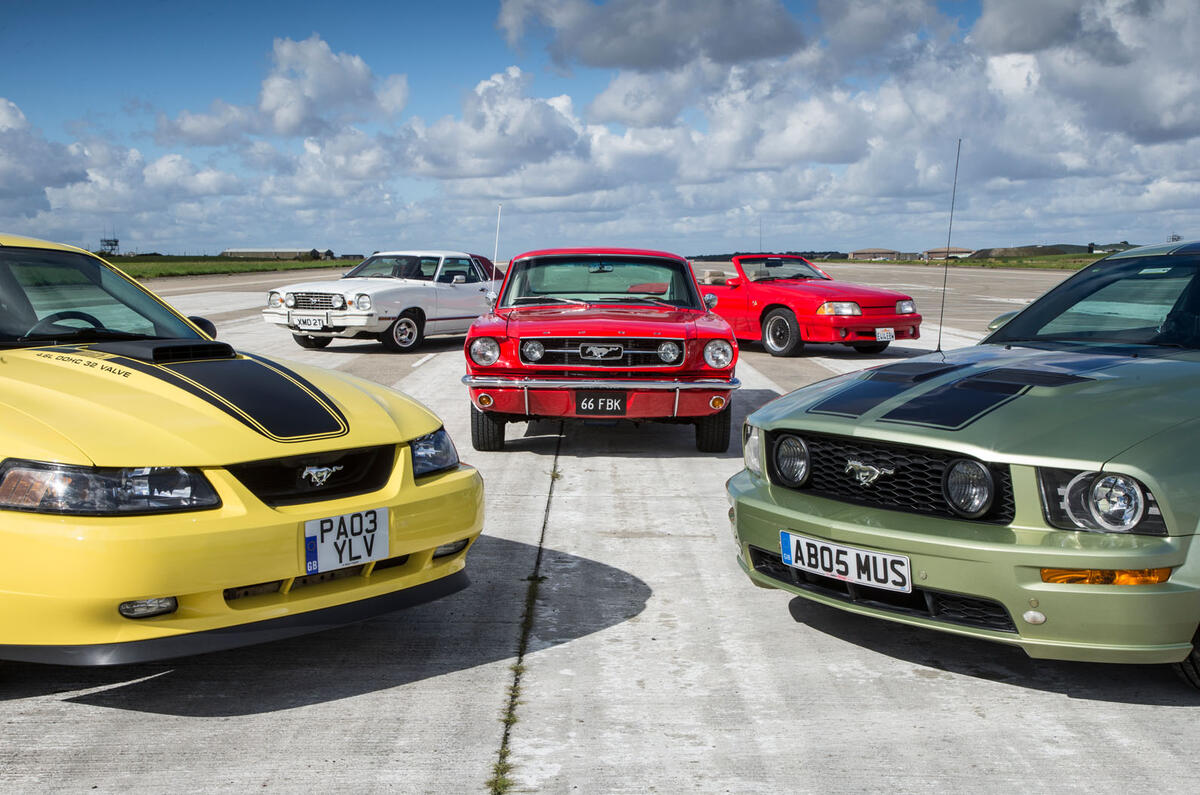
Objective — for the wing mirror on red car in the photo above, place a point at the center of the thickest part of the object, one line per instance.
(736, 281)
(710, 300)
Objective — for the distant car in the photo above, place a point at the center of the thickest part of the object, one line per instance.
(396, 297)
(600, 334)
(163, 495)
(1039, 489)
(785, 301)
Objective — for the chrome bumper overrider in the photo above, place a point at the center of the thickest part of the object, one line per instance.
(499, 382)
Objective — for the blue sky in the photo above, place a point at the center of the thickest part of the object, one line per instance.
(675, 124)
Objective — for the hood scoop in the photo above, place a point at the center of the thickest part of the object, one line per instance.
(167, 351)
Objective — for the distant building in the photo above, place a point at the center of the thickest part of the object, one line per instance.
(351, 256)
(953, 252)
(875, 253)
(277, 253)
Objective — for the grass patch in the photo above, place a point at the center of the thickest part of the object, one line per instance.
(1060, 262)
(151, 267)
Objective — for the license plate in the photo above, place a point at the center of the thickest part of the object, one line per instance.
(351, 539)
(600, 403)
(848, 564)
(309, 323)
(885, 334)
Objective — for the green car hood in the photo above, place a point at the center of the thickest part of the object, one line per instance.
(1073, 408)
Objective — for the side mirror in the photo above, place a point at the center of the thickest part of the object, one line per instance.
(458, 279)
(491, 297)
(205, 325)
(710, 300)
(1001, 320)
(736, 281)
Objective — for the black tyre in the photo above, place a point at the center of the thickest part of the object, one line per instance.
(781, 333)
(305, 341)
(1189, 668)
(871, 347)
(405, 333)
(712, 432)
(487, 432)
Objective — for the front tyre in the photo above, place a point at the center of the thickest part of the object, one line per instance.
(305, 341)
(712, 432)
(871, 347)
(405, 333)
(487, 432)
(1189, 667)
(781, 333)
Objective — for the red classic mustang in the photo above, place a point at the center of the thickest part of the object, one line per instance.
(784, 300)
(600, 333)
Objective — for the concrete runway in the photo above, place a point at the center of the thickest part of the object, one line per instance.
(652, 664)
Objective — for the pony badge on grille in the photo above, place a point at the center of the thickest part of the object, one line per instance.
(319, 475)
(600, 351)
(866, 474)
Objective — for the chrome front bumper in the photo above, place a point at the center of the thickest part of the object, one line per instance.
(500, 382)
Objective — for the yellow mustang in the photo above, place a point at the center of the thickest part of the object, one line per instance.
(163, 495)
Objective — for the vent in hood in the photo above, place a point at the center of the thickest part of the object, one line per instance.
(165, 351)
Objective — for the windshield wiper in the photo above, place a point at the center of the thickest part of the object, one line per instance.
(637, 298)
(87, 335)
(546, 299)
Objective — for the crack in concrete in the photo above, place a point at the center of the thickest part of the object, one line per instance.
(500, 783)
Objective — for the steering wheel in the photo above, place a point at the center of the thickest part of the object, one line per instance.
(66, 314)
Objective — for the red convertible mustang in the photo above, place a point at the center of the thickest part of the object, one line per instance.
(785, 301)
(600, 334)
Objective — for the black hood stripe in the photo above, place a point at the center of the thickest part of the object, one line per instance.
(950, 406)
(262, 395)
(879, 386)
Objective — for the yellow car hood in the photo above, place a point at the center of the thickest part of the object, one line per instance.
(114, 404)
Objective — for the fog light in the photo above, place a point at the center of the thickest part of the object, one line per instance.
(484, 401)
(1033, 617)
(1106, 576)
(145, 608)
(717, 402)
(451, 549)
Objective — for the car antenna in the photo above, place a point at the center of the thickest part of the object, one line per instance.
(946, 266)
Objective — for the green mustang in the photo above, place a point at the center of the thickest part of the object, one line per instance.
(1041, 489)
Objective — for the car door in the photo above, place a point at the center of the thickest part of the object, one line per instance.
(731, 301)
(461, 293)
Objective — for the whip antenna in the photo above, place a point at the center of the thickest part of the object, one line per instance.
(946, 267)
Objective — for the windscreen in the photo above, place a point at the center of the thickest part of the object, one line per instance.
(759, 269)
(49, 296)
(1137, 301)
(601, 279)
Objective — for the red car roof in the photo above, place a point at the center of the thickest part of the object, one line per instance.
(619, 252)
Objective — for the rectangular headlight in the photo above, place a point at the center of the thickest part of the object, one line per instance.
(43, 487)
(433, 453)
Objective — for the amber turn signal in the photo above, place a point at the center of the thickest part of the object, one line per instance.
(717, 402)
(1106, 576)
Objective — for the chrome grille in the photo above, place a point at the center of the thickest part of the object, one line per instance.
(574, 351)
(915, 486)
(313, 300)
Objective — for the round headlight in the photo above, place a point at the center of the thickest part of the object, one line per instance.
(289, 300)
(338, 301)
(484, 351)
(274, 300)
(717, 353)
(362, 301)
(791, 460)
(668, 351)
(532, 350)
(969, 488)
(1116, 502)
